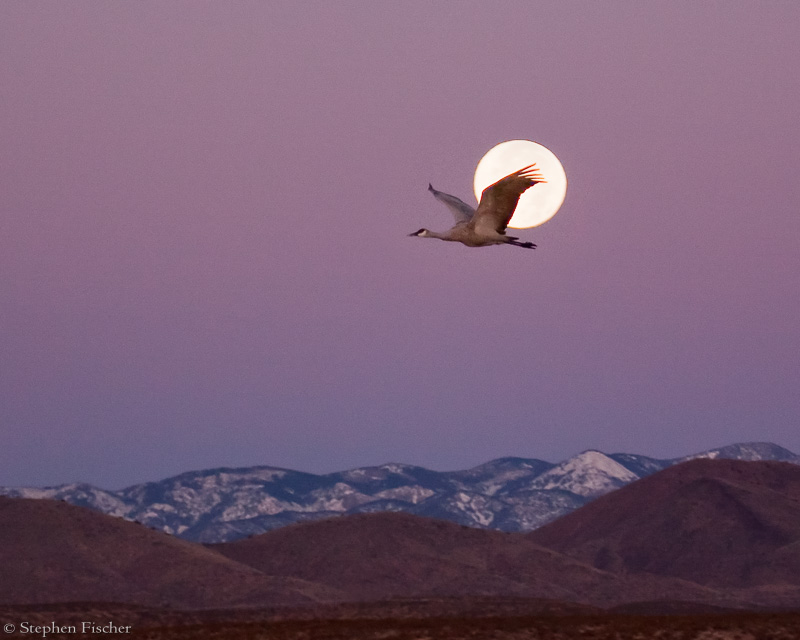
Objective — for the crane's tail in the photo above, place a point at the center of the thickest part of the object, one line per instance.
(517, 243)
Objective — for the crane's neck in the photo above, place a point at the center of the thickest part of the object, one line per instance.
(435, 234)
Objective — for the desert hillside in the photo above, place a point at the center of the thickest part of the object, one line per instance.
(721, 523)
(55, 552)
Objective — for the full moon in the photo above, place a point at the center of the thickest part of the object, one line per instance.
(539, 203)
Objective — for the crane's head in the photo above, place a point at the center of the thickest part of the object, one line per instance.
(422, 233)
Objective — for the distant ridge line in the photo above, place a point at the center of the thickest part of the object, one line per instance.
(509, 494)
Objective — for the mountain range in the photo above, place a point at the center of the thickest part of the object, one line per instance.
(704, 533)
(507, 494)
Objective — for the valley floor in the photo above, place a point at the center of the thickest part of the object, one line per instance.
(388, 621)
(609, 627)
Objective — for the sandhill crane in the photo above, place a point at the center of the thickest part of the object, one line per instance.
(487, 225)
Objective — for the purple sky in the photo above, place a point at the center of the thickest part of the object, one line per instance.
(204, 211)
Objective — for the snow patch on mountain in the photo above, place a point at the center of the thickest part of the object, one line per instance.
(413, 494)
(476, 505)
(84, 495)
(747, 451)
(590, 473)
(393, 467)
(340, 497)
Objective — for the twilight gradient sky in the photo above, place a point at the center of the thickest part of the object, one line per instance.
(204, 211)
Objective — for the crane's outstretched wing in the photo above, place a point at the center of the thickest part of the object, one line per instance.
(498, 201)
(460, 209)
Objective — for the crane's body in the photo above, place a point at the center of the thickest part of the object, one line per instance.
(486, 225)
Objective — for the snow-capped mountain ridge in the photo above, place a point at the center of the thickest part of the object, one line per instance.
(513, 494)
(588, 474)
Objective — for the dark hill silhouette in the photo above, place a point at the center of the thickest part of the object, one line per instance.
(56, 552)
(385, 555)
(720, 523)
(720, 533)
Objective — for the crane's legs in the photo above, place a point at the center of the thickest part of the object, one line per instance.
(517, 243)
